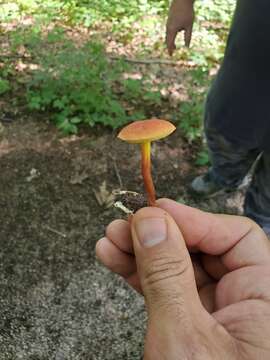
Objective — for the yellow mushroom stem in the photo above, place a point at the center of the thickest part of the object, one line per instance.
(146, 173)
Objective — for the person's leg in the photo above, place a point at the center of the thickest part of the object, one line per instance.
(257, 201)
(233, 136)
(230, 163)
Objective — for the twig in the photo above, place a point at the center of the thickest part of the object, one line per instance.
(55, 231)
(117, 172)
(146, 61)
(13, 56)
(117, 58)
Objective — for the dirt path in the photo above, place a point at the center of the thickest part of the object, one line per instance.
(57, 301)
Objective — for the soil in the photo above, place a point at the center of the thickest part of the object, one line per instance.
(57, 301)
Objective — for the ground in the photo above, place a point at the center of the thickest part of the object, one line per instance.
(57, 301)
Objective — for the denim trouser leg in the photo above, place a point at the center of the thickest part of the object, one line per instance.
(230, 164)
(257, 201)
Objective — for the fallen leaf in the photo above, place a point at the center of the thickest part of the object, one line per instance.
(78, 178)
(104, 197)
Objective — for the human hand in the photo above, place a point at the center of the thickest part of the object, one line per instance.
(213, 304)
(181, 17)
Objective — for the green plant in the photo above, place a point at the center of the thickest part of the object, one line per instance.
(4, 86)
(83, 12)
(202, 158)
(80, 85)
(191, 114)
(77, 85)
(191, 111)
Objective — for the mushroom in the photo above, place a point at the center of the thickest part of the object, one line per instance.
(143, 133)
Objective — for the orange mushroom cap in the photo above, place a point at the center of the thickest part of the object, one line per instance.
(146, 130)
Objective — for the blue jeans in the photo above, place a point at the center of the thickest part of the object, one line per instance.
(237, 114)
(231, 163)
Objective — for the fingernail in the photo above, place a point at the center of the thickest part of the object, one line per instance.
(151, 231)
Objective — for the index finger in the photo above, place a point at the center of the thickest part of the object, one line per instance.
(238, 239)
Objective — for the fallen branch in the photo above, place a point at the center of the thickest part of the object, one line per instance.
(13, 56)
(117, 173)
(147, 61)
(117, 58)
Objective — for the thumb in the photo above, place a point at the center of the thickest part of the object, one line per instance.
(164, 265)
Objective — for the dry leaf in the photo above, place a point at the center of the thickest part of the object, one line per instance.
(104, 197)
(79, 178)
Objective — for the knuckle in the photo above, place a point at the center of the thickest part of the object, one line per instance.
(164, 268)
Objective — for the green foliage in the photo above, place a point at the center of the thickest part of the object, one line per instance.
(213, 18)
(84, 12)
(191, 111)
(79, 85)
(215, 11)
(87, 12)
(191, 119)
(202, 158)
(4, 86)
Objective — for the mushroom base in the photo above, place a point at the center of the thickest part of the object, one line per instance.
(129, 201)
